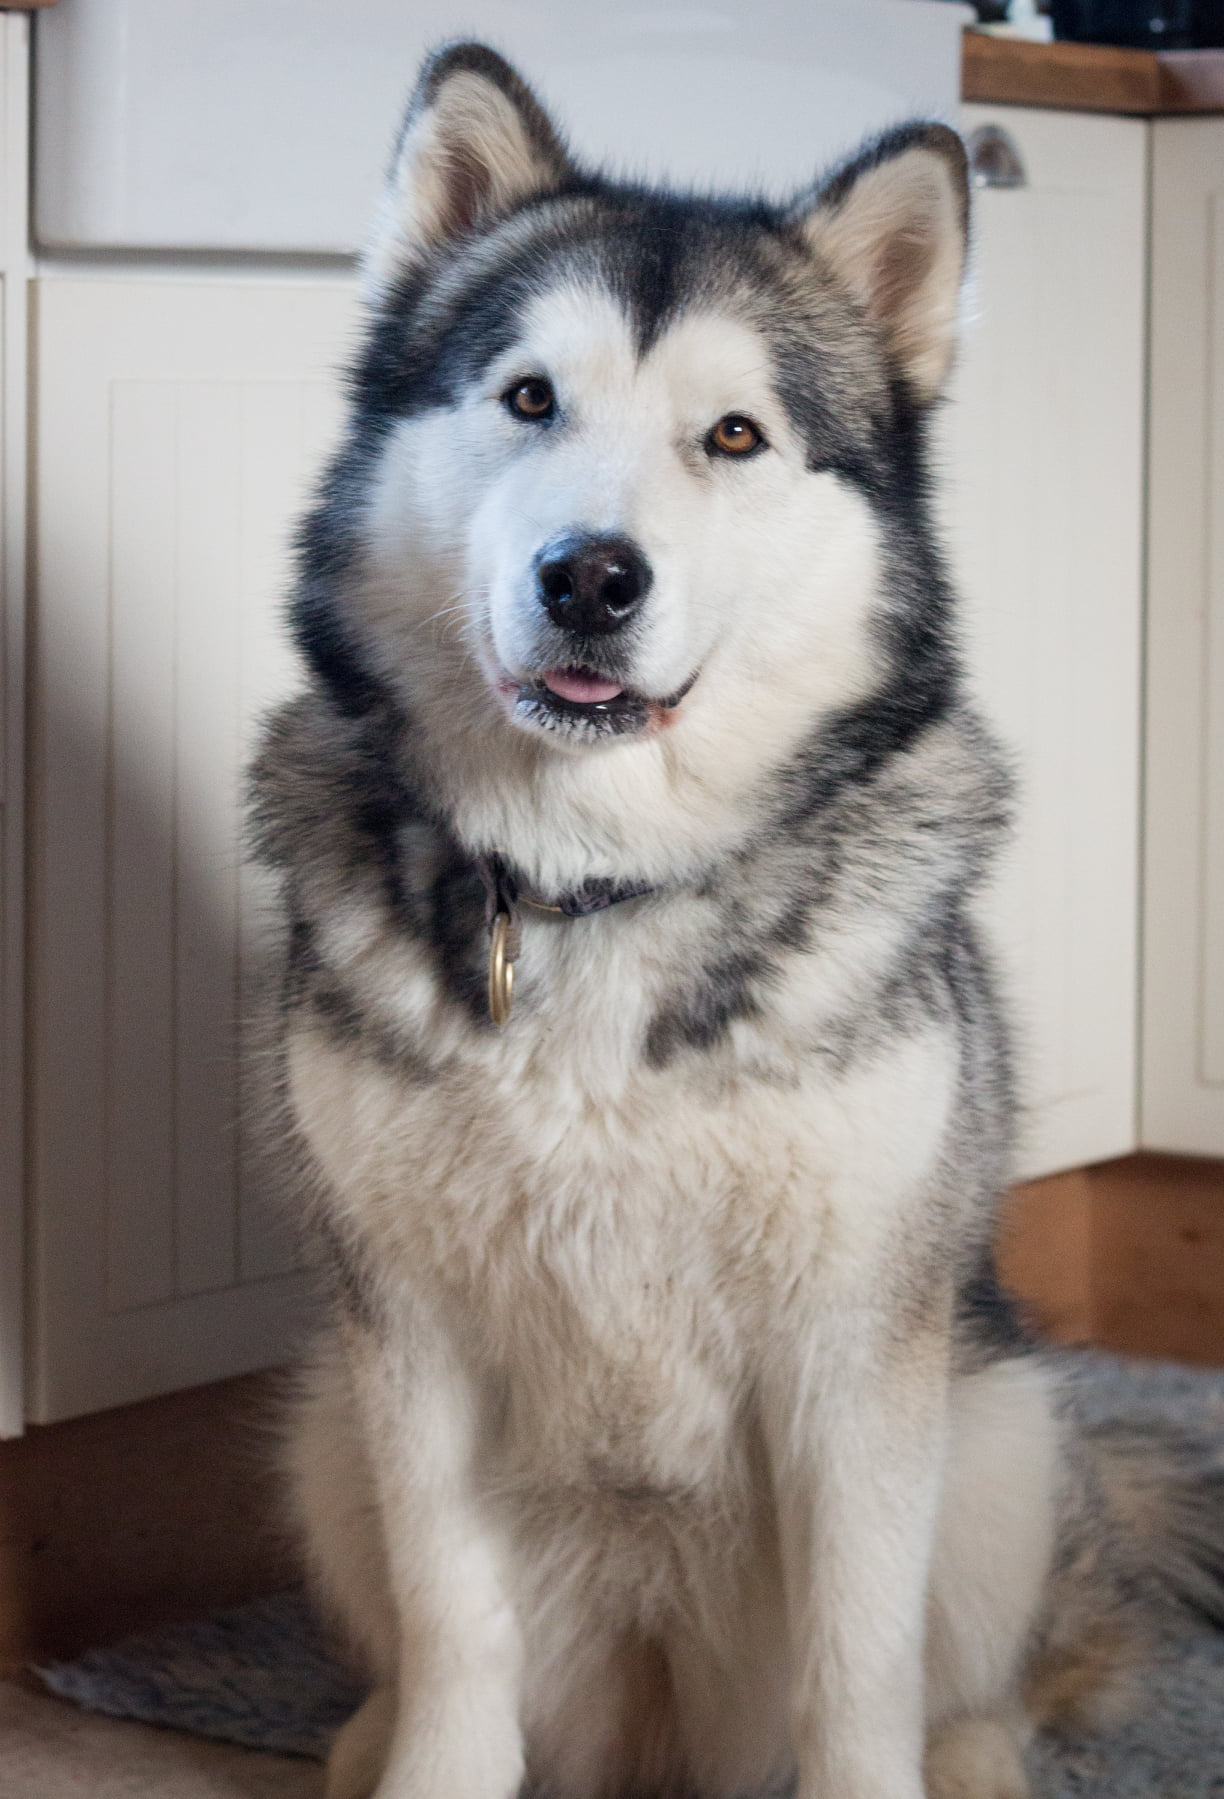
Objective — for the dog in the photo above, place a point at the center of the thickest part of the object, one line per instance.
(672, 1434)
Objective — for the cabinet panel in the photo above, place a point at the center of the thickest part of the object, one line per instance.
(179, 424)
(1045, 509)
(1183, 882)
(14, 135)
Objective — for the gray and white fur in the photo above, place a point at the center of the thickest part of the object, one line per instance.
(672, 1435)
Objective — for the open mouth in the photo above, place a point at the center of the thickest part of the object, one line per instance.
(582, 703)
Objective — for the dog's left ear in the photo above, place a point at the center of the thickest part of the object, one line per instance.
(893, 227)
(474, 144)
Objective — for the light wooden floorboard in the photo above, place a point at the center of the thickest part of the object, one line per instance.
(49, 1750)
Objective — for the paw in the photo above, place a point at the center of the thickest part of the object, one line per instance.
(359, 1752)
(975, 1758)
(374, 1757)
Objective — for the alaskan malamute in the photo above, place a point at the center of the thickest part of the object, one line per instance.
(673, 1436)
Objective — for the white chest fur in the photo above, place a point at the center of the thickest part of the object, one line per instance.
(611, 1236)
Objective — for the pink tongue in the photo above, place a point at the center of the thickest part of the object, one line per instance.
(572, 684)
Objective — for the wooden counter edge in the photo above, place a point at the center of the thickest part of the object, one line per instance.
(1192, 80)
(1090, 77)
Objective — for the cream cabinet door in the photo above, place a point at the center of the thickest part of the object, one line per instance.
(14, 135)
(1183, 883)
(179, 424)
(1044, 467)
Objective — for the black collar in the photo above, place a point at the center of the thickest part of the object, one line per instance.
(505, 893)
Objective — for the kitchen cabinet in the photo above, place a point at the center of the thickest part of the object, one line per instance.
(179, 422)
(1182, 1089)
(14, 256)
(1044, 471)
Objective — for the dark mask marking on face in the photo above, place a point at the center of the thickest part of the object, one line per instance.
(657, 254)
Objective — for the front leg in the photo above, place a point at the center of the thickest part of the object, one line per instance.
(455, 1703)
(855, 1427)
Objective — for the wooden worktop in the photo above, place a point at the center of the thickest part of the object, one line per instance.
(1091, 77)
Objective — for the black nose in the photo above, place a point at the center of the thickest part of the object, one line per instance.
(592, 585)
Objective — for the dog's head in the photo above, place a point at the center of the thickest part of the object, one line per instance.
(634, 475)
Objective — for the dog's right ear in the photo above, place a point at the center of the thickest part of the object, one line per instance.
(475, 142)
(892, 226)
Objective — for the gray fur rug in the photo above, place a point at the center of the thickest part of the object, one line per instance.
(263, 1675)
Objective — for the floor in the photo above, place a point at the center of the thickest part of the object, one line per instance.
(49, 1750)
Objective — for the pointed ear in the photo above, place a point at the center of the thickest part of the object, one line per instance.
(893, 227)
(475, 142)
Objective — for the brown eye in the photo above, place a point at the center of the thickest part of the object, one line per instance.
(734, 436)
(531, 399)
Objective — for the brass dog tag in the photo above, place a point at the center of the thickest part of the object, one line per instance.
(501, 969)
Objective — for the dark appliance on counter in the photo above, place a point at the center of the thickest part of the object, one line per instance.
(1207, 24)
(1141, 24)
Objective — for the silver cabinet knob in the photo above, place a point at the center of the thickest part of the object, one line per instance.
(994, 160)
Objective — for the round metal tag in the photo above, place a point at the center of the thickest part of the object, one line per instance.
(501, 970)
